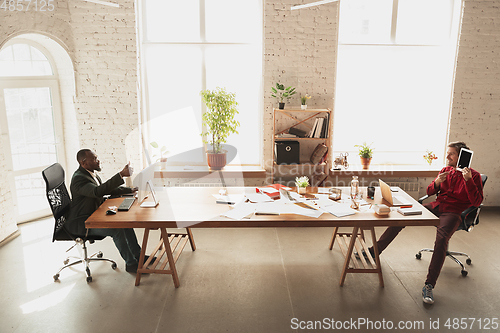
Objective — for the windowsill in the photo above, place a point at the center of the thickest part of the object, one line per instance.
(388, 170)
(253, 171)
(230, 171)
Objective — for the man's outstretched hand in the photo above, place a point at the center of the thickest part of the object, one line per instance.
(127, 171)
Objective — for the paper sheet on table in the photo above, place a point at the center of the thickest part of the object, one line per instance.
(258, 197)
(287, 196)
(287, 208)
(339, 209)
(230, 198)
(240, 210)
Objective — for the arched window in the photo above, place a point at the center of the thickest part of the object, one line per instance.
(30, 119)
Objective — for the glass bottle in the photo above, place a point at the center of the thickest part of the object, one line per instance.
(355, 192)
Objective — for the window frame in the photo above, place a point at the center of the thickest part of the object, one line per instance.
(42, 81)
(144, 105)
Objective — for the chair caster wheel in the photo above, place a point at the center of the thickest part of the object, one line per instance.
(418, 256)
(468, 261)
(66, 261)
(89, 278)
(56, 277)
(464, 273)
(99, 255)
(113, 265)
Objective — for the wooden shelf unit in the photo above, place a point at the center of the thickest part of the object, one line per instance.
(283, 120)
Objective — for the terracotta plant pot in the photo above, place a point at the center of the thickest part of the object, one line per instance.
(365, 162)
(216, 161)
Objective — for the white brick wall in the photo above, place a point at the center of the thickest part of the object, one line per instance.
(475, 115)
(101, 42)
(300, 50)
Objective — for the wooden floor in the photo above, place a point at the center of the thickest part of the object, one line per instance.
(248, 280)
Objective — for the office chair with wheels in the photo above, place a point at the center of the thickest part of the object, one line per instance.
(470, 218)
(60, 203)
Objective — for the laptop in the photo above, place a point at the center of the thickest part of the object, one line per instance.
(395, 201)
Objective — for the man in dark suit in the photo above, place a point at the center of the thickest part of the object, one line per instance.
(87, 191)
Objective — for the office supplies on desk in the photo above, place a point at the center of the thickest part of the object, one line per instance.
(339, 210)
(381, 210)
(126, 204)
(396, 200)
(260, 196)
(230, 199)
(409, 211)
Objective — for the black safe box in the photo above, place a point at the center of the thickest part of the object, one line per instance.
(287, 152)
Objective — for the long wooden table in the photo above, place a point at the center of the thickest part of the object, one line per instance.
(195, 207)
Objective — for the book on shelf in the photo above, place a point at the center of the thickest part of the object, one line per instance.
(311, 134)
(317, 132)
(298, 132)
(324, 129)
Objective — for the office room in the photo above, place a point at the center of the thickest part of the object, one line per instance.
(396, 79)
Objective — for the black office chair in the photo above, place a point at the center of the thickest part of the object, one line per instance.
(60, 203)
(470, 218)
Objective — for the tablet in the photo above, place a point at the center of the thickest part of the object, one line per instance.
(464, 159)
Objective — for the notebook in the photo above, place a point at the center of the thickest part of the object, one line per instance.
(394, 201)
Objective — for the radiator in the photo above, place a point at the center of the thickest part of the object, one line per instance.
(200, 185)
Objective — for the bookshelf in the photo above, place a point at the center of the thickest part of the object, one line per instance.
(283, 120)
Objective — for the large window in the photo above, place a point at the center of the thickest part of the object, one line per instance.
(191, 45)
(395, 77)
(31, 118)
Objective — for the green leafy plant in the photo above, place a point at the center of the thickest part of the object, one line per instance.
(161, 151)
(365, 150)
(303, 99)
(219, 119)
(302, 181)
(280, 93)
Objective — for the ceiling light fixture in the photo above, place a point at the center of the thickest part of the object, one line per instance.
(312, 4)
(105, 3)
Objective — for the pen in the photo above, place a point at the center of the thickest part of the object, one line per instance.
(406, 206)
(225, 202)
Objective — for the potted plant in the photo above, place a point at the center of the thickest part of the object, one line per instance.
(365, 153)
(303, 101)
(159, 156)
(280, 93)
(302, 183)
(219, 123)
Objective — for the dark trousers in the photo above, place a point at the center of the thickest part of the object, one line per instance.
(125, 241)
(448, 224)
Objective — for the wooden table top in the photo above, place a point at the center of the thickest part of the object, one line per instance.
(195, 207)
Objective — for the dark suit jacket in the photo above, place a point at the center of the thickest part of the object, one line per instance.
(87, 196)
